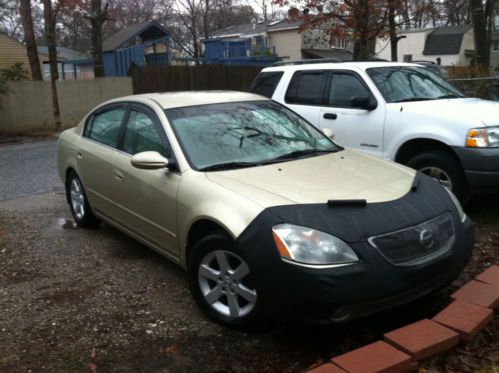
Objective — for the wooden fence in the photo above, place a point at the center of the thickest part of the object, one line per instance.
(160, 78)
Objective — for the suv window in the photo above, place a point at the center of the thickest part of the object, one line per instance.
(307, 87)
(142, 135)
(266, 83)
(343, 88)
(105, 126)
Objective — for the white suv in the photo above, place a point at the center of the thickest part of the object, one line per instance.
(396, 111)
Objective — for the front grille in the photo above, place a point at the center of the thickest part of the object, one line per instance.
(418, 243)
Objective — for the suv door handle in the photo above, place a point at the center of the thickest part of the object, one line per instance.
(330, 116)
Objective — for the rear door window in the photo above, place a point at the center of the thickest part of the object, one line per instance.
(104, 127)
(266, 83)
(307, 87)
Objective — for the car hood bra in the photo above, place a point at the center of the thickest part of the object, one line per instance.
(343, 175)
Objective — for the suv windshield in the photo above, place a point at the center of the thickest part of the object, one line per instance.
(407, 83)
(244, 134)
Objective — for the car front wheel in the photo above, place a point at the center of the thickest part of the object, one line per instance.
(78, 202)
(222, 283)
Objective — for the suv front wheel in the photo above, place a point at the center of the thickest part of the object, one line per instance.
(444, 168)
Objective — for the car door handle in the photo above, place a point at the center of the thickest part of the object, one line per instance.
(330, 116)
(118, 175)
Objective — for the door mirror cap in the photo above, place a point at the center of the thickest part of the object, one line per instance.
(328, 132)
(363, 102)
(149, 161)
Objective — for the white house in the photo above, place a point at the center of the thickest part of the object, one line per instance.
(452, 45)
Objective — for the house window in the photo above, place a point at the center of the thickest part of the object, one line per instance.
(337, 42)
(407, 57)
(495, 46)
(496, 22)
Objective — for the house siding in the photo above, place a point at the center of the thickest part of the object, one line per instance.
(287, 43)
(11, 51)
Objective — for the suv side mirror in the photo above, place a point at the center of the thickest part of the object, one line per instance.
(363, 102)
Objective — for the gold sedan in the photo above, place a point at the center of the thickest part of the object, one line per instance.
(266, 213)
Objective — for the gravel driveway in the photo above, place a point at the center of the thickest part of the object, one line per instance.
(97, 301)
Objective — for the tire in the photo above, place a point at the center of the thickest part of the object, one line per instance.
(78, 202)
(222, 284)
(444, 168)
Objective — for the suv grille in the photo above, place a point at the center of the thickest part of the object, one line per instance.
(416, 244)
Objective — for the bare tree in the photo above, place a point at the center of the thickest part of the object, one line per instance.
(29, 37)
(50, 15)
(97, 16)
(481, 13)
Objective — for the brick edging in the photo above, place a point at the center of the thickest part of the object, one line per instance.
(471, 310)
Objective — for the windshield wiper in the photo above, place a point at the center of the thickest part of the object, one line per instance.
(448, 96)
(414, 99)
(300, 153)
(228, 166)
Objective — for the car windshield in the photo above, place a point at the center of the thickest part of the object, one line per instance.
(404, 84)
(244, 134)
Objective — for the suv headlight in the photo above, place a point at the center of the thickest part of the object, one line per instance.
(454, 199)
(487, 137)
(309, 246)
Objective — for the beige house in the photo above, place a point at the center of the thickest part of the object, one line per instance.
(450, 45)
(12, 51)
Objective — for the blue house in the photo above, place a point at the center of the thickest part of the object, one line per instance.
(140, 44)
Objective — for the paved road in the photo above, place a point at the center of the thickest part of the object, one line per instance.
(29, 168)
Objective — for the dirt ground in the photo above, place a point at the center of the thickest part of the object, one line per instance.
(76, 300)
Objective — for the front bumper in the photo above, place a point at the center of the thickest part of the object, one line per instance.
(481, 167)
(329, 295)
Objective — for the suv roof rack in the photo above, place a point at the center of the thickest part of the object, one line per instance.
(306, 62)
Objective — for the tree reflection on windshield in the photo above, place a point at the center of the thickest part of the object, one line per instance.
(243, 132)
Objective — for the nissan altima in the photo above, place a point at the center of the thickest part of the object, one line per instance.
(269, 217)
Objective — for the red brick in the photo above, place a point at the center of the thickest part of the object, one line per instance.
(377, 357)
(478, 293)
(423, 339)
(465, 318)
(490, 276)
(326, 368)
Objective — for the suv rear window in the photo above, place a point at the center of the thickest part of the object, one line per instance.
(266, 83)
(307, 87)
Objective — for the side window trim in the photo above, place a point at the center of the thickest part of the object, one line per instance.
(351, 73)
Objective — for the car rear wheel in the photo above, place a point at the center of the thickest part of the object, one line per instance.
(222, 284)
(78, 202)
(444, 168)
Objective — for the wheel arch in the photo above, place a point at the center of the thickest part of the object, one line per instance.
(417, 146)
(200, 229)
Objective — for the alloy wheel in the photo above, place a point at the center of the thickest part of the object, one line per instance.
(439, 175)
(224, 283)
(77, 198)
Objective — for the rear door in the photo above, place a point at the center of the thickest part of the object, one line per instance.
(353, 127)
(96, 150)
(306, 94)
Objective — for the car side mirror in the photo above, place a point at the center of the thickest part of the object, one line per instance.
(328, 132)
(149, 161)
(363, 102)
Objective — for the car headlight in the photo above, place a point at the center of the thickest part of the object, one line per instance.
(309, 246)
(487, 137)
(454, 199)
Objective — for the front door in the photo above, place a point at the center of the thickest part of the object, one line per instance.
(147, 198)
(353, 127)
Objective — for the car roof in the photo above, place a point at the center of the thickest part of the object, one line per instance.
(340, 65)
(170, 100)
